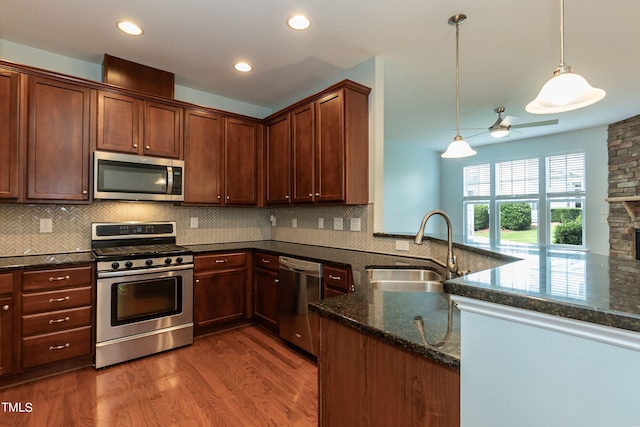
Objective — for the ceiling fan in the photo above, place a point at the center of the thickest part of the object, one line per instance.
(503, 127)
(506, 127)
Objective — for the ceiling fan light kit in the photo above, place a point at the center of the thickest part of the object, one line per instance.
(459, 148)
(566, 90)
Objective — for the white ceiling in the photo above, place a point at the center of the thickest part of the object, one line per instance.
(508, 49)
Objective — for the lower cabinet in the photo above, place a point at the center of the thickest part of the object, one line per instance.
(6, 323)
(265, 290)
(219, 290)
(57, 315)
(337, 281)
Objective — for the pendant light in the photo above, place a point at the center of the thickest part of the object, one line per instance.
(566, 90)
(459, 147)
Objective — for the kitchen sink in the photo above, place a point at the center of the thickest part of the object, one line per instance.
(405, 280)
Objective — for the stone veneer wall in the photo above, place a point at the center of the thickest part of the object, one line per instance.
(624, 178)
(20, 228)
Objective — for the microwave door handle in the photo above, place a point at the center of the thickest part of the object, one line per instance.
(169, 180)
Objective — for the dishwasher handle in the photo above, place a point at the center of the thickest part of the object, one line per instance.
(300, 266)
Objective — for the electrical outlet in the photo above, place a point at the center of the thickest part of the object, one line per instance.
(294, 222)
(46, 225)
(194, 222)
(338, 224)
(355, 224)
(402, 245)
(320, 222)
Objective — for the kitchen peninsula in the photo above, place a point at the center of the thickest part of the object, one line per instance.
(552, 339)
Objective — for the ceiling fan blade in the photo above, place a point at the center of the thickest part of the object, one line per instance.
(533, 124)
(513, 132)
(509, 120)
(477, 134)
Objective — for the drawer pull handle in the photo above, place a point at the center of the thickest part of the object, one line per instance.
(219, 261)
(334, 277)
(66, 319)
(59, 347)
(266, 261)
(55, 279)
(52, 300)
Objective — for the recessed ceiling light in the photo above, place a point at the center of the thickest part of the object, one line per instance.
(243, 66)
(299, 22)
(129, 28)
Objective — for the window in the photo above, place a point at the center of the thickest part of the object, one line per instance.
(536, 201)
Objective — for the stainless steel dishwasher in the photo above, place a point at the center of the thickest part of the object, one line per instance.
(300, 283)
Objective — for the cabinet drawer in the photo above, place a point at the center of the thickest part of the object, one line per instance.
(220, 261)
(269, 262)
(56, 321)
(56, 300)
(339, 278)
(6, 283)
(42, 349)
(58, 278)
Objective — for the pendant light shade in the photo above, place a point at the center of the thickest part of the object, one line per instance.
(459, 147)
(566, 90)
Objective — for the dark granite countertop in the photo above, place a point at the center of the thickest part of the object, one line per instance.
(48, 260)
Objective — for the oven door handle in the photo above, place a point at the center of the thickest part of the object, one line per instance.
(121, 273)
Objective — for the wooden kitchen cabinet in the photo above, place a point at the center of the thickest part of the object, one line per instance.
(241, 162)
(7, 310)
(57, 315)
(337, 281)
(59, 136)
(220, 290)
(203, 142)
(128, 124)
(278, 160)
(329, 144)
(9, 140)
(266, 270)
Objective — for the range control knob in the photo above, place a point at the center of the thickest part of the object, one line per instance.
(115, 265)
(167, 261)
(128, 264)
(149, 262)
(179, 260)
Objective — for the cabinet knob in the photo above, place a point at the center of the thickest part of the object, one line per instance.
(218, 197)
(135, 145)
(228, 197)
(277, 280)
(147, 147)
(317, 194)
(5, 307)
(352, 288)
(197, 280)
(287, 197)
(310, 194)
(85, 192)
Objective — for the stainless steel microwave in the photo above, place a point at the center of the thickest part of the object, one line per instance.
(129, 177)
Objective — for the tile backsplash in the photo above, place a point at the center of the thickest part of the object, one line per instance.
(20, 228)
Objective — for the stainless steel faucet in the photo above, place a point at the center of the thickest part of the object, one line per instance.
(451, 265)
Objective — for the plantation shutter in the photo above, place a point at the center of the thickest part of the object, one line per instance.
(477, 180)
(517, 177)
(566, 173)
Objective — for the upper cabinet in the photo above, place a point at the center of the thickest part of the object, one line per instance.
(328, 142)
(9, 142)
(241, 162)
(58, 140)
(203, 140)
(128, 124)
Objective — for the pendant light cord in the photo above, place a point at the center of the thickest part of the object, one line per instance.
(457, 82)
(562, 64)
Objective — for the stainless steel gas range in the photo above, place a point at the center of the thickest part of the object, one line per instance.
(144, 300)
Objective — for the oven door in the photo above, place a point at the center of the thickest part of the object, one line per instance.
(138, 302)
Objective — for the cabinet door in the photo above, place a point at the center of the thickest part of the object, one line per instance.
(241, 161)
(162, 130)
(219, 296)
(203, 157)
(9, 142)
(6, 336)
(265, 291)
(278, 161)
(119, 123)
(58, 155)
(330, 149)
(303, 150)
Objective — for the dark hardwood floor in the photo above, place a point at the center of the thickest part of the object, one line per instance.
(241, 377)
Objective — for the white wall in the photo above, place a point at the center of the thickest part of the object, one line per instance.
(592, 141)
(411, 187)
